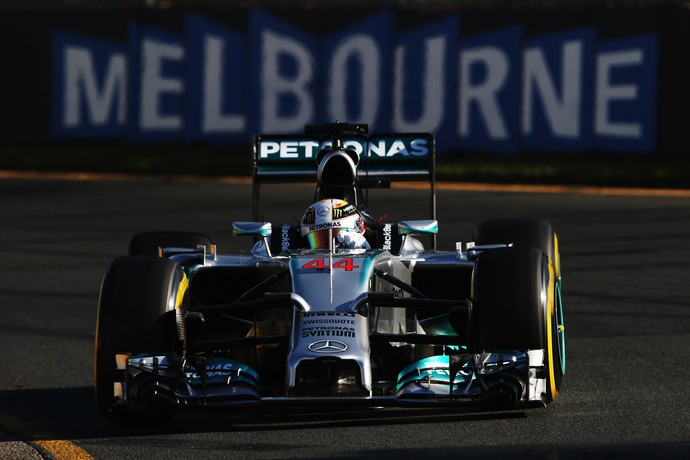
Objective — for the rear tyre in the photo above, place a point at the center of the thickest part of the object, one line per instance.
(136, 293)
(147, 243)
(516, 307)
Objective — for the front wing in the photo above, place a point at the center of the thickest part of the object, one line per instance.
(509, 379)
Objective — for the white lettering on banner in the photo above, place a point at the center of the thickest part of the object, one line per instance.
(562, 114)
(81, 82)
(420, 147)
(292, 87)
(607, 93)
(354, 145)
(389, 147)
(274, 85)
(311, 148)
(292, 149)
(154, 85)
(383, 148)
(484, 94)
(377, 148)
(267, 148)
(397, 147)
(212, 118)
(364, 49)
(289, 149)
(432, 89)
(358, 147)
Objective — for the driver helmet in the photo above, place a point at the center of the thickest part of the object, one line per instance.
(324, 219)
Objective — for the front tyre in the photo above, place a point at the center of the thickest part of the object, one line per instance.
(136, 293)
(538, 234)
(517, 307)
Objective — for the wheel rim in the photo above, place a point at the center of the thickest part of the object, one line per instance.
(560, 328)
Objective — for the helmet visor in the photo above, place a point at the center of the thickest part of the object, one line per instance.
(321, 239)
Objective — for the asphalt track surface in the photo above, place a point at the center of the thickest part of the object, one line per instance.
(626, 273)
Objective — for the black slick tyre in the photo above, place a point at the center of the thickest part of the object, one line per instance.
(539, 234)
(136, 295)
(516, 308)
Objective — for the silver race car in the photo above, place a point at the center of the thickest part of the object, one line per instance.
(339, 308)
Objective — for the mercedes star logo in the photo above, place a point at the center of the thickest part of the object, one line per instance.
(323, 211)
(328, 346)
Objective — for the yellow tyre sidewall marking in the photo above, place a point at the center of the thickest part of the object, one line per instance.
(550, 312)
(179, 298)
(181, 290)
(557, 256)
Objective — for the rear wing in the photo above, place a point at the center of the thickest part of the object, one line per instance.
(384, 158)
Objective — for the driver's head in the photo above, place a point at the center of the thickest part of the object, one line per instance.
(329, 214)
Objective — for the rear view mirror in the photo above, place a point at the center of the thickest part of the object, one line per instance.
(418, 227)
(260, 229)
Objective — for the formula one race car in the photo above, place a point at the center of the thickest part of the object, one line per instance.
(339, 308)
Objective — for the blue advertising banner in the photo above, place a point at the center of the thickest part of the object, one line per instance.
(155, 85)
(424, 76)
(625, 103)
(284, 69)
(88, 88)
(557, 91)
(215, 81)
(356, 72)
(503, 90)
(489, 102)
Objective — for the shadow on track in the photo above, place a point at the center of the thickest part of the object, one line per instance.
(71, 413)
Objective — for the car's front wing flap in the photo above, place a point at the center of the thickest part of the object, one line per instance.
(509, 378)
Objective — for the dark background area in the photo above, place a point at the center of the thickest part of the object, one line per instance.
(26, 29)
